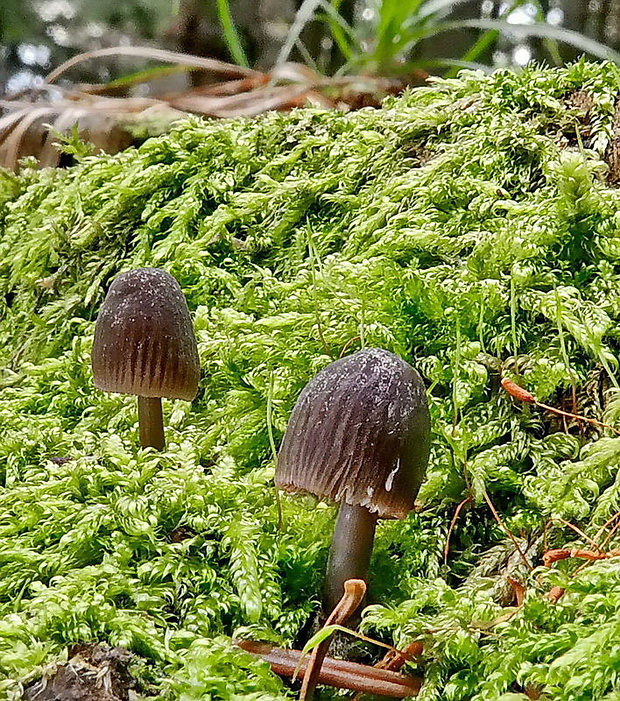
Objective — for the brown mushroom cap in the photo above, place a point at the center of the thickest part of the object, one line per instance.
(144, 341)
(359, 433)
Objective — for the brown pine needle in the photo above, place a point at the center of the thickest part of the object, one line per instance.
(499, 520)
(611, 533)
(607, 523)
(523, 395)
(452, 525)
(577, 417)
(579, 532)
(347, 344)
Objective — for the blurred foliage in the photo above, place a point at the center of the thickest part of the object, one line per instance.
(392, 38)
(35, 36)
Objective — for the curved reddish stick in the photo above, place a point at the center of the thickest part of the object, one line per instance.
(514, 390)
(510, 534)
(555, 594)
(517, 392)
(340, 674)
(446, 549)
(347, 344)
(518, 590)
(601, 530)
(395, 660)
(579, 532)
(354, 592)
(552, 556)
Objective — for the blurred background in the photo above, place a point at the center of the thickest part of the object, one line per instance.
(276, 54)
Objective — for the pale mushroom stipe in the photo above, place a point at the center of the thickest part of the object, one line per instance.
(144, 344)
(359, 434)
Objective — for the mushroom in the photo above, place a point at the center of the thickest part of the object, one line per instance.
(359, 434)
(144, 344)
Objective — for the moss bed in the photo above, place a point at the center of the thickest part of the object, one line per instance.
(471, 226)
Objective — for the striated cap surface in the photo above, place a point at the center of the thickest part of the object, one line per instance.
(144, 340)
(360, 432)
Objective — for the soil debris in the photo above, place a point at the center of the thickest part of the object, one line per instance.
(612, 155)
(582, 102)
(94, 672)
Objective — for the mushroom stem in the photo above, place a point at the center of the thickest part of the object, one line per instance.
(151, 423)
(351, 548)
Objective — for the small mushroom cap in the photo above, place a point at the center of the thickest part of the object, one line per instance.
(360, 432)
(144, 340)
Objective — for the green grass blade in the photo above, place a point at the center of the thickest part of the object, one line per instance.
(230, 33)
(340, 29)
(479, 47)
(455, 63)
(439, 7)
(304, 15)
(567, 36)
(545, 31)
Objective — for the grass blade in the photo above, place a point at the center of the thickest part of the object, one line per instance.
(340, 30)
(304, 15)
(230, 33)
(208, 64)
(545, 31)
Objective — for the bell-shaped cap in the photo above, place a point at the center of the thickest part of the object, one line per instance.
(360, 432)
(144, 340)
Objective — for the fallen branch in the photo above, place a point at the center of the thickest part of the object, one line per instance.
(340, 674)
(354, 592)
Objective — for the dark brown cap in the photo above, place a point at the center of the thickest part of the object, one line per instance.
(144, 340)
(360, 432)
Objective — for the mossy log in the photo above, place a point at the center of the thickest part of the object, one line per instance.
(472, 227)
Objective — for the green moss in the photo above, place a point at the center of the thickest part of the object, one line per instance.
(468, 227)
